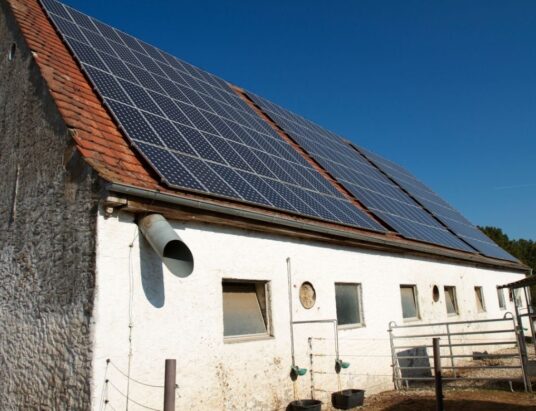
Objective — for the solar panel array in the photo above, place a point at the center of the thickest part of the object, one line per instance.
(362, 179)
(438, 207)
(199, 135)
(193, 129)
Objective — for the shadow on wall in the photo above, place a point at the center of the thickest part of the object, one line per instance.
(152, 274)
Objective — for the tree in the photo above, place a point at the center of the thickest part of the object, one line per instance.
(524, 250)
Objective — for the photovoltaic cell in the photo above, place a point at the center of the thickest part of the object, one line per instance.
(438, 207)
(361, 178)
(193, 129)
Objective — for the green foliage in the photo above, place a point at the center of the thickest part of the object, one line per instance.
(524, 250)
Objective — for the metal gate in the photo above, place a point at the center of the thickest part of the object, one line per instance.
(467, 348)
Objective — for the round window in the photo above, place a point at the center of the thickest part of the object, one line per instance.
(307, 295)
(435, 293)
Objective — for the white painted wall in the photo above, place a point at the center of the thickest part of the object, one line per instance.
(182, 318)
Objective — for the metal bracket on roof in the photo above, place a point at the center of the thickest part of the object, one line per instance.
(111, 203)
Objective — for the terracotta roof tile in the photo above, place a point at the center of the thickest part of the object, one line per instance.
(96, 135)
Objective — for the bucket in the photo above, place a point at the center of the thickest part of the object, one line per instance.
(305, 405)
(347, 399)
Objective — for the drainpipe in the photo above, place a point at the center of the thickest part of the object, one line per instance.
(295, 371)
(167, 244)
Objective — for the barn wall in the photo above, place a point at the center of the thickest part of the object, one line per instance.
(47, 247)
(182, 318)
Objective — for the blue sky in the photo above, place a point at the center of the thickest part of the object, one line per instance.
(445, 88)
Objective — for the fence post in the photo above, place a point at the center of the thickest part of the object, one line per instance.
(393, 356)
(169, 385)
(451, 352)
(524, 359)
(311, 372)
(437, 375)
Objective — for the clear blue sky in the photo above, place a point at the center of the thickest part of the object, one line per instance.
(445, 88)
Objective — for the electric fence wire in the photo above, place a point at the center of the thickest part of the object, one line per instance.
(104, 392)
(109, 405)
(130, 309)
(353, 374)
(130, 399)
(351, 339)
(133, 379)
(354, 355)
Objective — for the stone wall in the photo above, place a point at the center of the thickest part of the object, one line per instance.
(47, 242)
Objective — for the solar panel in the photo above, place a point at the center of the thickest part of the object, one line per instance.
(361, 178)
(193, 129)
(438, 207)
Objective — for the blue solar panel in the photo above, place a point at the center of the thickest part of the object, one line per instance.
(193, 129)
(438, 207)
(361, 178)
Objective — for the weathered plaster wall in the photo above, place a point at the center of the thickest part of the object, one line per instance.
(47, 244)
(182, 318)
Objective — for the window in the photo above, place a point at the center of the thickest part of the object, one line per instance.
(307, 295)
(500, 296)
(518, 297)
(12, 50)
(435, 294)
(410, 307)
(245, 308)
(348, 302)
(479, 295)
(450, 300)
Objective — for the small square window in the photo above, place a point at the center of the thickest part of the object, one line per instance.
(349, 307)
(451, 301)
(410, 307)
(245, 309)
(500, 296)
(479, 295)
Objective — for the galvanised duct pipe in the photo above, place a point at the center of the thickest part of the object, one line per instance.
(168, 245)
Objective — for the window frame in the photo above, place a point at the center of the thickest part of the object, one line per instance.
(361, 322)
(455, 302)
(518, 297)
(479, 290)
(267, 317)
(501, 298)
(415, 298)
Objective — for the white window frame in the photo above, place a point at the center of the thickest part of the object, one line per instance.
(518, 297)
(501, 298)
(455, 302)
(480, 290)
(361, 322)
(268, 334)
(415, 297)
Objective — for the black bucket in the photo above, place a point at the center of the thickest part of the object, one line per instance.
(347, 399)
(305, 405)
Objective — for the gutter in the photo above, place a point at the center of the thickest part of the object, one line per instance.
(154, 195)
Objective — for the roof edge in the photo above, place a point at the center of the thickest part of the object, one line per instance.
(414, 248)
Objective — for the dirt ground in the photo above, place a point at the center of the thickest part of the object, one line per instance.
(458, 400)
(465, 395)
